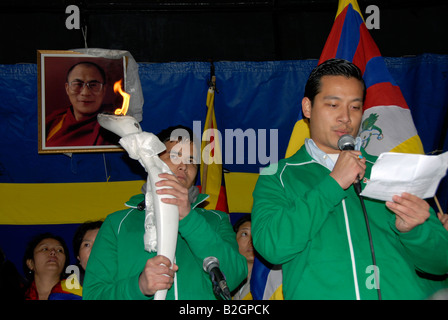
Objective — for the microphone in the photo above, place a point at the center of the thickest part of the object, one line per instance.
(220, 288)
(347, 142)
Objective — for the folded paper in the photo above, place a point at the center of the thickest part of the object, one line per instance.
(395, 173)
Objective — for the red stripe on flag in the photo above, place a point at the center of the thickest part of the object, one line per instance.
(332, 43)
(212, 139)
(367, 48)
(384, 94)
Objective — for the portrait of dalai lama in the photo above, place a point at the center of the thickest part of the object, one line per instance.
(77, 125)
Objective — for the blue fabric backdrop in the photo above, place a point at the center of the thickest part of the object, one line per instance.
(252, 96)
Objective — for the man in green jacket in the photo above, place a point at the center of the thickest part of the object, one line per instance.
(308, 217)
(120, 268)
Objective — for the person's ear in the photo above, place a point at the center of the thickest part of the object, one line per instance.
(30, 264)
(306, 107)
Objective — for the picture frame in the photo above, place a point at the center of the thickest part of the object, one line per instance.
(66, 118)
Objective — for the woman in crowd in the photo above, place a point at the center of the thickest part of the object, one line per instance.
(44, 264)
(243, 232)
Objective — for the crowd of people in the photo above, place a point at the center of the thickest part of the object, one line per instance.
(45, 267)
(306, 216)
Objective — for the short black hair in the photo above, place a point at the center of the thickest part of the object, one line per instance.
(240, 221)
(331, 67)
(175, 132)
(81, 232)
(89, 63)
(32, 244)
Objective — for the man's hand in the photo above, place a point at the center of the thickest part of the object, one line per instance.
(157, 275)
(348, 168)
(176, 189)
(410, 211)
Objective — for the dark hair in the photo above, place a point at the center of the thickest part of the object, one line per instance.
(331, 67)
(32, 244)
(240, 221)
(89, 63)
(180, 132)
(81, 232)
(175, 132)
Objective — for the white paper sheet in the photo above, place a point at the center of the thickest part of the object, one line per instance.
(395, 173)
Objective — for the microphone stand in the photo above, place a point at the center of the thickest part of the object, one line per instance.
(219, 292)
(372, 250)
(223, 294)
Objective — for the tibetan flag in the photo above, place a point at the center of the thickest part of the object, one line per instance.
(211, 164)
(387, 123)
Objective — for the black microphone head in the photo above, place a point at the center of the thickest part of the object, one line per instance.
(210, 263)
(346, 142)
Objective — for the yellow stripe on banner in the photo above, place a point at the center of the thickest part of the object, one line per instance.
(63, 203)
(239, 189)
(300, 131)
(412, 145)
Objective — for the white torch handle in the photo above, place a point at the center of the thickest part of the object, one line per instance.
(161, 219)
(167, 220)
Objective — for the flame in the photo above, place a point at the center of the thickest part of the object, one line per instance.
(126, 97)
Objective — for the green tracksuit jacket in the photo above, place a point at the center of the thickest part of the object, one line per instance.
(118, 255)
(298, 221)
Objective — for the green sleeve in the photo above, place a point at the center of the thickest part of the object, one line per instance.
(209, 233)
(100, 282)
(427, 245)
(284, 220)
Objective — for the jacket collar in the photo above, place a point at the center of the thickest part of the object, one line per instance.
(300, 156)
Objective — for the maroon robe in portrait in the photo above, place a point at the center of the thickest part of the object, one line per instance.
(63, 130)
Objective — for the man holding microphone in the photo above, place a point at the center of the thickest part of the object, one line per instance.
(308, 216)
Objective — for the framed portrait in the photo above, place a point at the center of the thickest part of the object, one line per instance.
(73, 88)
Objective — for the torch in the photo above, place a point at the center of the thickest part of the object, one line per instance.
(161, 219)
